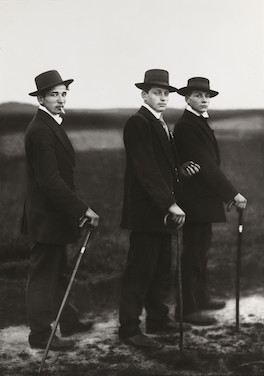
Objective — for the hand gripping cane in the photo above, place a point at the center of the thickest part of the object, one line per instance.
(178, 232)
(238, 260)
(82, 250)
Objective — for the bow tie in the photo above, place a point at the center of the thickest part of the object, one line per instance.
(61, 117)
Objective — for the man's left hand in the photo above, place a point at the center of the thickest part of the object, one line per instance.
(91, 217)
(189, 168)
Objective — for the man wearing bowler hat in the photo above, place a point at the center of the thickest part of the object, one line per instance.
(52, 213)
(202, 199)
(151, 189)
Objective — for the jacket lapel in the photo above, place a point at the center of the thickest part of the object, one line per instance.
(161, 133)
(205, 128)
(58, 130)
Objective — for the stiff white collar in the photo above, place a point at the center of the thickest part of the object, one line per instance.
(57, 118)
(203, 114)
(155, 113)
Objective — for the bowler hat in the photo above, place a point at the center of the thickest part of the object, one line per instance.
(156, 77)
(197, 83)
(47, 80)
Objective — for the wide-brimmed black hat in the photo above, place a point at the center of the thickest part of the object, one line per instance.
(47, 80)
(156, 77)
(197, 83)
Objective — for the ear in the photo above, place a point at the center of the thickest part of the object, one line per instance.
(187, 99)
(143, 94)
(40, 99)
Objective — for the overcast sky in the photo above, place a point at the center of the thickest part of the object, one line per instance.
(107, 45)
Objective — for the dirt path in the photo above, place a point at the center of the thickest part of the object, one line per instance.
(216, 350)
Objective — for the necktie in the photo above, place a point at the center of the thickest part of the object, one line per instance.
(205, 121)
(165, 127)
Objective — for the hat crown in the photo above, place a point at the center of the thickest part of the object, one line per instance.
(156, 77)
(47, 79)
(199, 82)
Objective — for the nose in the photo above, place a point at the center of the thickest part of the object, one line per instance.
(163, 97)
(61, 98)
(205, 98)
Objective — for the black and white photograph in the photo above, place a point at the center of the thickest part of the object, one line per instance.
(131, 188)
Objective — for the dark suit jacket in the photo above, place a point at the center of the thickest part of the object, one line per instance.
(204, 193)
(52, 208)
(150, 183)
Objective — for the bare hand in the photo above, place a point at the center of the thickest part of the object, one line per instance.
(189, 168)
(91, 217)
(177, 215)
(240, 201)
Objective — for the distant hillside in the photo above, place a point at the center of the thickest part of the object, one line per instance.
(16, 116)
(17, 107)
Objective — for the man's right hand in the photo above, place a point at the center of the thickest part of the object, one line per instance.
(177, 215)
(91, 217)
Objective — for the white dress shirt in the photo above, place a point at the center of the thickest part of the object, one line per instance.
(158, 116)
(203, 114)
(57, 118)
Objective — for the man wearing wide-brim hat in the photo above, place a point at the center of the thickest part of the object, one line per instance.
(52, 214)
(202, 199)
(151, 189)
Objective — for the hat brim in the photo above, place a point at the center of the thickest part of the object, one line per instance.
(38, 92)
(143, 85)
(187, 90)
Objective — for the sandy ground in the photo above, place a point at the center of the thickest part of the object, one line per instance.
(215, 350)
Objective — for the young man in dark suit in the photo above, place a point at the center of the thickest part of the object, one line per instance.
(51, 215)
(202, 199)
(151, 188)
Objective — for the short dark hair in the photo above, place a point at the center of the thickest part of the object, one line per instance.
(43, 93)
(189, 92)
(146, 88)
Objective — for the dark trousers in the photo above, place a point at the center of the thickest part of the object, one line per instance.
(146, 281)
(46, 286)
(196, 243)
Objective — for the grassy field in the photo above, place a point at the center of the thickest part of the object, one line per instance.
(214, 351)
(99, 178)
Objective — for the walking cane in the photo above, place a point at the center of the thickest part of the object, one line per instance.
(238, 260)
(179, 252)
(178, 231)
(82, 250)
